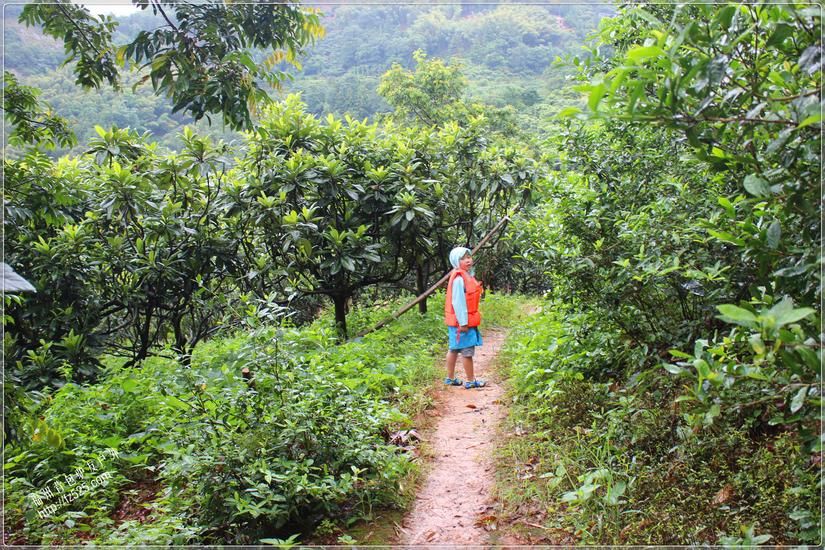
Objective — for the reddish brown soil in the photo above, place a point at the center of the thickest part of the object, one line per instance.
(135, 501)
(454, 503)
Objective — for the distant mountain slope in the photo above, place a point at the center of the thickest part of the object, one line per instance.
(507, 51)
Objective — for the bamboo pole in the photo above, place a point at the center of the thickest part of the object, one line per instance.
(433, 288)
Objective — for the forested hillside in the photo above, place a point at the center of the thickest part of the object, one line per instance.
(503, 48)
(202, 362)
(507, 52)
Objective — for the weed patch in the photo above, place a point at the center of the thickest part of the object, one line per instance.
(613, 459)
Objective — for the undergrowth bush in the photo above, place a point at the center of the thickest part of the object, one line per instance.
(265, 434)
(617, 459)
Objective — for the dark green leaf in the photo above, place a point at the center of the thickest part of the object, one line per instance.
(798, 399)
(774, 234)
(757, 186)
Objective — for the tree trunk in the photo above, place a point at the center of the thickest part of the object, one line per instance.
(144, 337)
(180, 348)
(340, 301)
(421, 286)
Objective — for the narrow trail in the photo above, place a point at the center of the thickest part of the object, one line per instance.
(456, 495)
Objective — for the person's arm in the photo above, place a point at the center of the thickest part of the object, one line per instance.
(460, 303)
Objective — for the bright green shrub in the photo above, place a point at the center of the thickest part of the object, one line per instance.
(616, 459)
(234, 459)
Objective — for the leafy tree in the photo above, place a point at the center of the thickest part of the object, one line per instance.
(703, 74)
(127, 249)
(332, 207)
(315, 202)
(482, 172)
(33, 122)
(616, 233)
(54, 328)
(200, 56)
(430, 95)
(682, 241)
(419, 206)
(166, 261)
(436, 93)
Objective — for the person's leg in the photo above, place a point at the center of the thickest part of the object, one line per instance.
(468, 368)
(452, 356)
(467, 357)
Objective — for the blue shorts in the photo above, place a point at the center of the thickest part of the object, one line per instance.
(468, 339)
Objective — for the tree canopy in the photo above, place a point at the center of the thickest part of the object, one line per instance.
(200, 55)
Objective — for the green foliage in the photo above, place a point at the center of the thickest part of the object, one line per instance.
(515, 39)
(87, 40)
(681, 213)
(135, 252)
(43, 239)
(686, 219)
(507, 52)
(132, 107)
(775, 351)
(430, 95)
(123, 247)
(613, 466)
(233, 458)
(298, 447)
(205, 69)
(33, 122)
(617, 233)
(512, 39)
(331, 207)
(434, 95)
(770, 163)
(762, 133)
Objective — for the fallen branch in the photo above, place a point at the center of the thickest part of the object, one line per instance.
(536, 525)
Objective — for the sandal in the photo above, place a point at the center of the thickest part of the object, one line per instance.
(452, 382)
(475, 384)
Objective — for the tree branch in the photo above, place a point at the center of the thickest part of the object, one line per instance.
(158, 6)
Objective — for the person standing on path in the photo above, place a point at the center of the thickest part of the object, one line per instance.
(462, 317)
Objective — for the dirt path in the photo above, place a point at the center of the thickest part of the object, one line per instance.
(456, 495)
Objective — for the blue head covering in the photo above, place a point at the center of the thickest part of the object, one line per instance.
(456, 254)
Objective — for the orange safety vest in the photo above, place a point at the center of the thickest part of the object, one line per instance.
(472, 293)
